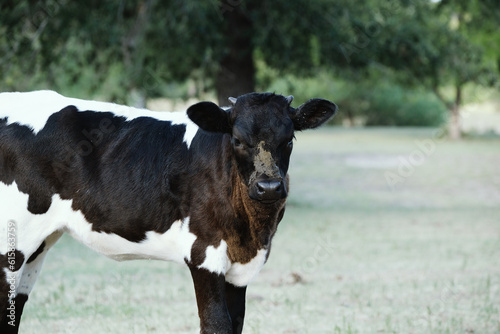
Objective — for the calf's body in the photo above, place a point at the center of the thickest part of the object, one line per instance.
(207, 191)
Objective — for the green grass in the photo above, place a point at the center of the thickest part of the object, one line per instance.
(352, 255)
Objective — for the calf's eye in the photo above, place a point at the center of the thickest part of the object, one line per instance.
(237, 143)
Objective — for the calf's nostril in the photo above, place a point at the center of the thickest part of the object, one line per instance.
(268, 190)
(269, 187)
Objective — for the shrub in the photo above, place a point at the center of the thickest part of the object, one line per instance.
(384, 105)
(393, 105)
(373, 102)
(423, 110)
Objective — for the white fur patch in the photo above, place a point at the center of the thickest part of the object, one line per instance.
(28, 230)
(31, 230)
(216, 260)
(31, 270)
(173, 245)
(242, 274)
(34, 108)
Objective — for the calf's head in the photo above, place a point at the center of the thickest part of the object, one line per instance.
(262, 126)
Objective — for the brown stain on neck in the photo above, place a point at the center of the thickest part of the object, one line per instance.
(254, 224)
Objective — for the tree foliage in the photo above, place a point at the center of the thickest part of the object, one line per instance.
(119, 49)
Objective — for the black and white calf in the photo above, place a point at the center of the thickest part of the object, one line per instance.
(207, 191)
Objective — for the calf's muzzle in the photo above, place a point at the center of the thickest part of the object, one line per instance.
(268, 190)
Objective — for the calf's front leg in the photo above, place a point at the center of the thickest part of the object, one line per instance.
(235, 299)
(210, 289)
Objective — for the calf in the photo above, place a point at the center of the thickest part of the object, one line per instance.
(207, 190)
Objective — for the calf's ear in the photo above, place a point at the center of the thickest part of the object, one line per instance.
(312, 114)
(209, 117)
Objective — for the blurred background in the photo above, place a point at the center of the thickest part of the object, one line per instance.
(398, 62)
(392, 224)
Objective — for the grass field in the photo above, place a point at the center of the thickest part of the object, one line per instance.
(386, 231)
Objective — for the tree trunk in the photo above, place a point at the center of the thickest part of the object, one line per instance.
(133, 52)
(454, 125)
(236, 73)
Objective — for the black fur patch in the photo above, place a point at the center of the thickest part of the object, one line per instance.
(36, 253)
(12, 261)
(124, 176)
